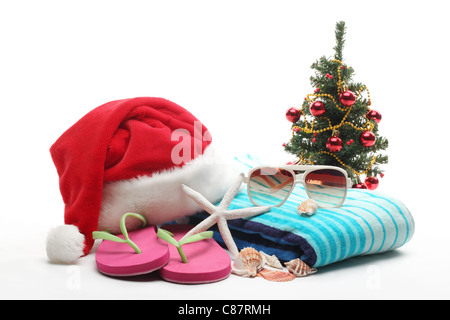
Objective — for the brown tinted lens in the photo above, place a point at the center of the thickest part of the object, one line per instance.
(270, 186)
(327, 186)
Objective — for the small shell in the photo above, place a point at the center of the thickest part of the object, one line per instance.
(271, 261)
(247, 263)
(308, 207)
(276, 275)
(298, 268)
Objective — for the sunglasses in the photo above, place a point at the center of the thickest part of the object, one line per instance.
(272, 186)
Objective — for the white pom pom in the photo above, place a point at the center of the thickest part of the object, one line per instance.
(65, 244)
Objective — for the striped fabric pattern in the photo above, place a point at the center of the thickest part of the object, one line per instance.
(367, 223)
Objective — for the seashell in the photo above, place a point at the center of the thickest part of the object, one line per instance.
(298, 268)
(271, 261)
(247, 263)
(308, 207)
(276, 275)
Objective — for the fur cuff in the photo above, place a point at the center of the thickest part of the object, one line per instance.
(65, 244)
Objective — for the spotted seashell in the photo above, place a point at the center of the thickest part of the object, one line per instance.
(276, 275)
(271, 261)
(308, 207)
(247, 263)
(298, 268)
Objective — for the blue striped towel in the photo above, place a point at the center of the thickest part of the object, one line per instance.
(367, 223)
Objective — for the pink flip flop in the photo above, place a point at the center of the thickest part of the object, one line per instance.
(197, 261)
(138, 252)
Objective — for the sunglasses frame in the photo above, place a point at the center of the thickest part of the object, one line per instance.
(299, 178)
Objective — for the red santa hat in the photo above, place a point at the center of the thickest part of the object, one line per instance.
(131, 155)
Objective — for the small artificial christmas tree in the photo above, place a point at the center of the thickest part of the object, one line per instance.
(336, 124)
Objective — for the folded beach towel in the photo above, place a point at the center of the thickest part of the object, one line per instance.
(367, 223)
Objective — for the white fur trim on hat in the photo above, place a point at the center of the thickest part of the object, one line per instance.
(160, 197)
(65, 244)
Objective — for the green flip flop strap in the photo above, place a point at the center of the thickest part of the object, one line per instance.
(168, 237)
(105, 235)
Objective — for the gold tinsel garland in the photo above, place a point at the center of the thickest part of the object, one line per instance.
(342, 86)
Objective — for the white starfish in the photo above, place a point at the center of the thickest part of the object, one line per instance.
(220, 214)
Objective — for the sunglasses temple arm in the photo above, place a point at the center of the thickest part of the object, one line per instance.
(349, 183)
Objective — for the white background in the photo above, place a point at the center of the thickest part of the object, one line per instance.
(237, 66)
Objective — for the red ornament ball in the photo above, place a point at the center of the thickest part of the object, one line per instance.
(347, 98)
(374, 115)
(367, 139)
(371, 183)
(334, 144)
(317, 108)
(359, 186)
(293, 114)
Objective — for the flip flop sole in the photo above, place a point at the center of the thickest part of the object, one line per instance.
(120, 260)
(207, 261)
